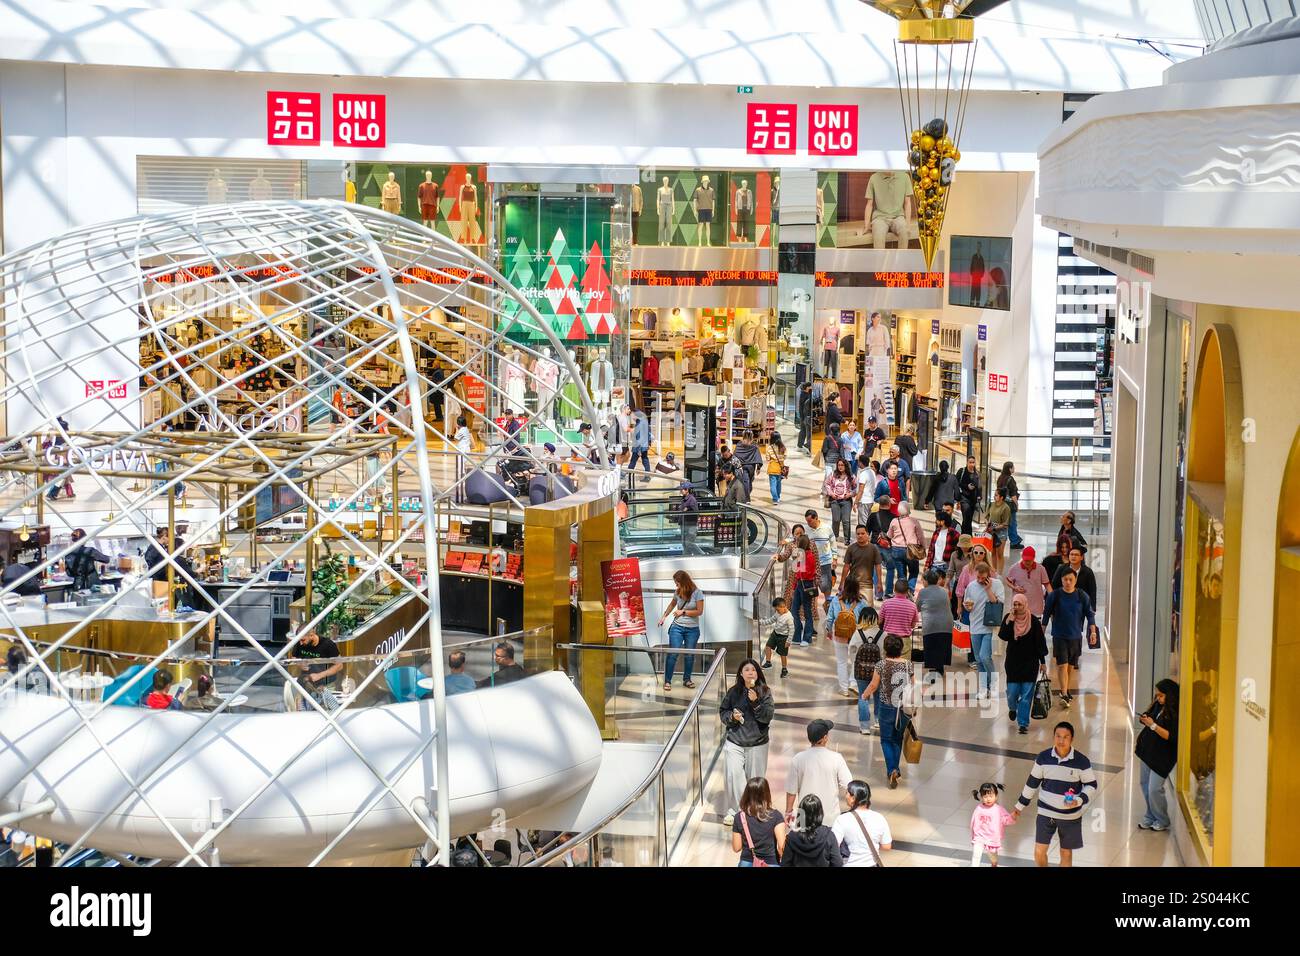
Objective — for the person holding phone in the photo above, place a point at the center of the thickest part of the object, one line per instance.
(685, 608)
(746, 712)
(1157, 750)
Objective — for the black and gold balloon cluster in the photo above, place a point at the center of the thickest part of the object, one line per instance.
(932, 158)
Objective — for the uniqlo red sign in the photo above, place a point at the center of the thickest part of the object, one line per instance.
(292, 119)
(833, 130)
(771, 128)
(998, 383)
(360, 119)
(111, 388)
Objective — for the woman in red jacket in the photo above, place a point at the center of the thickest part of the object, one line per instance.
(805, 590)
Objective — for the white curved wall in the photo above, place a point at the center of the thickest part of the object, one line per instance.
(512, 748)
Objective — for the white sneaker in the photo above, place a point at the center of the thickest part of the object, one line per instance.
(729, 819)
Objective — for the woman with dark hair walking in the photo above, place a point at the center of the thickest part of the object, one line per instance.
(862, 831)
(804, 605)
(1011, 493)
(812, 844)
(891, 678)
(685, 607)
(746, 712)
(1157, 750)
(758, 832)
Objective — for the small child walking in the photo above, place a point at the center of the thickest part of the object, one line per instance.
(987, 823)
(782, 624)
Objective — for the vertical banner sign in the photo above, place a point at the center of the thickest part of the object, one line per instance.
(292, 119)
(832, 130)
(476, 394)
(848, 317)
(624, 607)
(771, 129)
(983, 333)
(934, 326)
(360, 119)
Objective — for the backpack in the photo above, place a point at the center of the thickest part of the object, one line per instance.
(846, 622)
(867, 657)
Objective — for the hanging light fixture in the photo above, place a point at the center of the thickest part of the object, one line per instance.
(24, 533)
(933, 100)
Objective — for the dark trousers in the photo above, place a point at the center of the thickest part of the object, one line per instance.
(968, 506)
(805, 432)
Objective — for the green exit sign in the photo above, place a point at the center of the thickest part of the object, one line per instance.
(744, 89)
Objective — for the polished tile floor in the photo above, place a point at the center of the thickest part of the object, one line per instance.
(966, 744)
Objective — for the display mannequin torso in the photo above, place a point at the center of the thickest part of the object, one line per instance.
(637, 200)
(744, 199)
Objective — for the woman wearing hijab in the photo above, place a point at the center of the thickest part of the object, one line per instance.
(1157, 749)
(1026, 659)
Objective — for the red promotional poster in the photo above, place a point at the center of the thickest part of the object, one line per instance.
(624, 610)
(476, 394)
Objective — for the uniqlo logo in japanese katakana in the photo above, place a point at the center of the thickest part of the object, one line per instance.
(771, 128)
(112, 388)
(292, 119)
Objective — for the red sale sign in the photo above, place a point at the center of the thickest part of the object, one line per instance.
(292, 119)
(998, 383)
(832, 130)
(360, 119)
(771, 128)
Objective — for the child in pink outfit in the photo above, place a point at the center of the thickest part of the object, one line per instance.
(987, 823)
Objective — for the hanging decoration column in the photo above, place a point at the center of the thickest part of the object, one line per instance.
(933, 99)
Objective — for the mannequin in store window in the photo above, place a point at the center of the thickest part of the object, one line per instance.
(469, 211)
(390, 195)
(664, 206)
(776, 200)
(703, 201)
(638, 204)
(217, 188)
(547, 372)
(821, 205)
(744, 212)
(260, 188)
(600, 379)
(427, 195)
(830, 348)
(513, 379)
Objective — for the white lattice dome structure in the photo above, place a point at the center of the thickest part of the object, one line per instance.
(228, 362)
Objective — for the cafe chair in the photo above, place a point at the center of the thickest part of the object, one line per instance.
(402, 683)
(136, 692)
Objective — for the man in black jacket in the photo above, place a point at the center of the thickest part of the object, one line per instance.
(805, 418)
(834, 416)
(968, 493)
(749, 456)
(1086, 581)
(80, 564)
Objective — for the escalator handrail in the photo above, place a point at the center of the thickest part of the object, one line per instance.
(719, 659)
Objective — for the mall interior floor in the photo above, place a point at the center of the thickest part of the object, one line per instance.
(966, 744)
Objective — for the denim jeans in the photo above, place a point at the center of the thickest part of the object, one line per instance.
(900, 564)
(1020, 694)
(802, 606)
(824, 573)
(679, 636)
(891, 737)
(1153, 789)
(866, 708)
(1013, 530)
(644, 454)
(774, 486)
(981, 645)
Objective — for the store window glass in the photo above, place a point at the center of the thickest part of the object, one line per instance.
(698, 207)
(167, 183)
(565, 246)
(1204, 602)
(1180, 488)
(449, 199)
(872, 209)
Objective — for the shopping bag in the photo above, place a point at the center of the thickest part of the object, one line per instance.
(911, 741)
(1042, 702)
(960, 638)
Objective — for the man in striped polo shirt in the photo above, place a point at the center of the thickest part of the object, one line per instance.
(1065, 784)
(899, 615)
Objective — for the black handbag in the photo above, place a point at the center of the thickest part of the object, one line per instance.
(1042, 702)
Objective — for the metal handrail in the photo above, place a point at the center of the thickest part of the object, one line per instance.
(720, 655)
